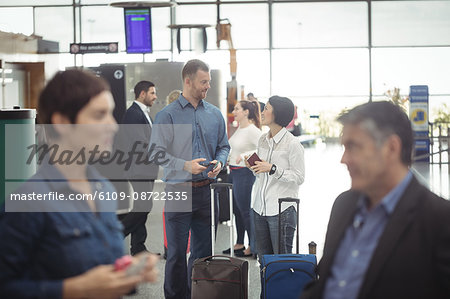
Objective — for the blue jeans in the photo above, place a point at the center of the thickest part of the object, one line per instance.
(177, 280)
(242, 180)
(266, 232)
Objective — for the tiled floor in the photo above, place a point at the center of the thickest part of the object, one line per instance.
(326, 178)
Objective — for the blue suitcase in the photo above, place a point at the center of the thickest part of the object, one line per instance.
(285, 275)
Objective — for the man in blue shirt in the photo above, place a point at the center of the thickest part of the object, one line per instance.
(190, 132)
(389, 236)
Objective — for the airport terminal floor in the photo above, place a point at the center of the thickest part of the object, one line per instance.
(325, 179)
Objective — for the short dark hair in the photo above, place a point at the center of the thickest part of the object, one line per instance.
(381, 120)
(283, 110)
(142, 86)
(67, 93)
(192, 66)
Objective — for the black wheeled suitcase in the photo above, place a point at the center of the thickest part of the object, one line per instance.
(219, 276)
(285, 275)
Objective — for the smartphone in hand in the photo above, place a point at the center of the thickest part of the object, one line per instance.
(215, 165)
(204, 163)
(126, 263)
(252, 159)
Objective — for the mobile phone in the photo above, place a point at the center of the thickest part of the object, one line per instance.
(205, 163)
(252, 159)
(123, 263)
(215, 165)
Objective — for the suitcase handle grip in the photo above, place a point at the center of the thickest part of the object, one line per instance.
(216, 257)
(288, 199)
(219, 185)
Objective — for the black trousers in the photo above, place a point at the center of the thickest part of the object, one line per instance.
(134, 221)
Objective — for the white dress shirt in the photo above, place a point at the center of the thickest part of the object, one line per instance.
(286, 152)
(146, 111)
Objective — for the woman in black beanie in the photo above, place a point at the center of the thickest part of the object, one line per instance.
(279, 174)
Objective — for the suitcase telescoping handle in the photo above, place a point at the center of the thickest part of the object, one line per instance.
(216, 257)
(213, 220)
(281, 200)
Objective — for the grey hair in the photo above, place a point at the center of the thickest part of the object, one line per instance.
(379, 135)
(381, 120)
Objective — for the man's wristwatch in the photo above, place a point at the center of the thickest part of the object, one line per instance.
(273, 169)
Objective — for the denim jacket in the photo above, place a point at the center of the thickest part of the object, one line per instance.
(38, 250)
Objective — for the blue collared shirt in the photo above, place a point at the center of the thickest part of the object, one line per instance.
(39, 250)
(185, 133)
(360, 240)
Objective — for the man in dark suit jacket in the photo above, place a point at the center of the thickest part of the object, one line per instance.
(136, 131)
(389, 236)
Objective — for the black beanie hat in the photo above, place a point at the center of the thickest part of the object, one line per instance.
(283, 110)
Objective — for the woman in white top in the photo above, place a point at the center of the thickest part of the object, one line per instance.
(279, 174)
(243, 142)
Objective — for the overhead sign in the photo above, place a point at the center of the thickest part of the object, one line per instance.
(85, 48)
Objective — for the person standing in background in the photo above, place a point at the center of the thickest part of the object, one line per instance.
(137, 129)
(294, 127)
(251, 97)
(279, 174)
(172, 96)
(243, 142)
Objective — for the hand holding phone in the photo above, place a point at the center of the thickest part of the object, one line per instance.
(126, 263)
(216, 165)
(136, 268)
(123, 263)
(209, 164)
(252, 159)
(205, 163)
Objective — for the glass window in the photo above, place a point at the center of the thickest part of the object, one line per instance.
(317, 115)
(196, 14)
(103, 24)
(160, 31)
(403, 67)
(410, 23)
(249, 24)
(9, 20)
(55, 24)
(216, 59)
(436, 104)
(321, 72)
(35, 3)
(253, 71)
(320, 24)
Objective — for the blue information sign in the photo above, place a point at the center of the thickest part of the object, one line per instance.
(418, 114)
(138, 30)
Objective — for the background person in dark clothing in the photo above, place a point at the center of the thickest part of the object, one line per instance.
(137, 127)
